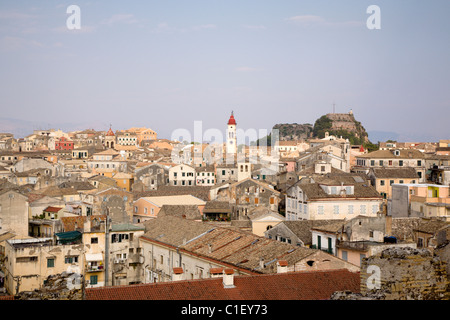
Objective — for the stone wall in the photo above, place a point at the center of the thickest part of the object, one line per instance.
(407, 274)
(64, 286)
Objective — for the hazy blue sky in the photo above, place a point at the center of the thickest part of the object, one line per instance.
(165, 64)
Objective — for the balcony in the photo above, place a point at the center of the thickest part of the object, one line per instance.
(94, 268)
(95, 262)
(328, 250)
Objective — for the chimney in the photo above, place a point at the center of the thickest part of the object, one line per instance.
(228, 278)
(282, 266)
(87, 225)
(261, 263)
(216, 272)
(178, 274)
(209, 247)
(388, 225)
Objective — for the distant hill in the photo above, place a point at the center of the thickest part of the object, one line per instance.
(341, 124)
(293, 131)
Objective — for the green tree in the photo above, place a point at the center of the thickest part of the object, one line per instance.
(322, 125)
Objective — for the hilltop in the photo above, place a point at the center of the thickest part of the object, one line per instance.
(341, 124)
(294, 131)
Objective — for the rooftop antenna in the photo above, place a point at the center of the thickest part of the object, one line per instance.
(334, 105)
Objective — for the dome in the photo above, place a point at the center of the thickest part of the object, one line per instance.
(232, 121)
(110, 132)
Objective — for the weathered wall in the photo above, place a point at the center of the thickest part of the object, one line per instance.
(407, 274)
(64, 286)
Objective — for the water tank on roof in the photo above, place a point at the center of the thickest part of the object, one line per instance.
(390, 239)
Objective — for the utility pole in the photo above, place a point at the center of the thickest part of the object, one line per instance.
(19, 280)
(107, 248)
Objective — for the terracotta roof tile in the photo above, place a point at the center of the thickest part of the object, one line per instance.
(314, 285)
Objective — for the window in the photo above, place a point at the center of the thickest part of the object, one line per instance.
(361, 257)
(94, 240)
(50, 263)
(391, 182)
(68, 260)
(420, 242)
(381, 163)
(256, 200)
(400, 163)
(93, 280)
(401, 181)
(145, 210)
(419, 163)
(344, 255)
(381, 182)
(372, 163)
(350, 209)
(371, 234)
(363, 209)
(320, 209)
(374, 208)
(336, 209)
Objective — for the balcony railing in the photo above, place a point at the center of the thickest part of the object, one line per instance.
(98, 268)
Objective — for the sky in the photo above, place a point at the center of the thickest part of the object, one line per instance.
(168, 63)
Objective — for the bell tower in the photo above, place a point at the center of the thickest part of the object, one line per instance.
(231, 147)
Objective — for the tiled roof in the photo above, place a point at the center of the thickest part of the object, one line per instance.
(235, 248)
(407, 173)
(182, 211)
(175, 200)
(73, 223)
(57, 192)
(361, 190)
(314, 285)
(431, 226)
(52, 209)
(330, 228)
(201, 192)
(217, 207)
(302, 228)
(173, 230)
(389, 154)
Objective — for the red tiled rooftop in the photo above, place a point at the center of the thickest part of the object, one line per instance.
(216, 270)
(52, 209)
(232, 121)
(283, 263)
(178, 270)
(315, 285)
